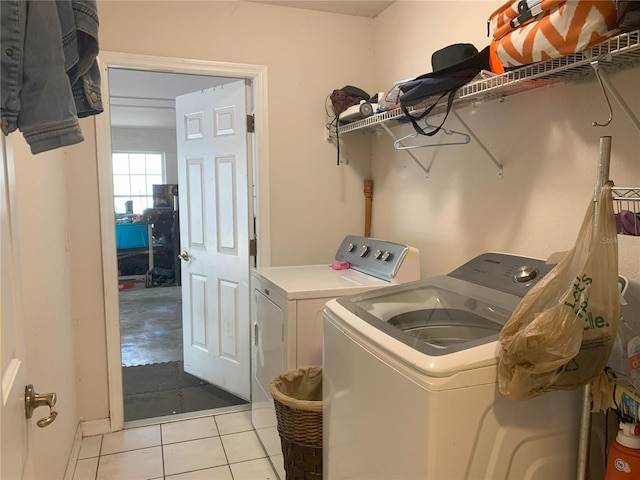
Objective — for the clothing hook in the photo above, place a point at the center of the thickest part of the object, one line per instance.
(596, 69)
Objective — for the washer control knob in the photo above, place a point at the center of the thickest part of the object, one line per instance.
(524, 274)
(386, 256)
(363, 251)
(377, 255)
(351, 247)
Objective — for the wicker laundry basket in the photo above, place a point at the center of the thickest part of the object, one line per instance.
(297, 396)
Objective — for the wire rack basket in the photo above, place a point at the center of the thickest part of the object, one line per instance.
(627, 209)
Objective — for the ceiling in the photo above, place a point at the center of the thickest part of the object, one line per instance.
(145, 99)
(361, 8)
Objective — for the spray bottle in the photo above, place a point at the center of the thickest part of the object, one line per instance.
(623, 462)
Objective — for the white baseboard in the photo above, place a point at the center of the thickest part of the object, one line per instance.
(75, 452)
(85, 429)
(96, 427)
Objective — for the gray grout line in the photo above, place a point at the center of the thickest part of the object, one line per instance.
(164, 472)
(173, 420)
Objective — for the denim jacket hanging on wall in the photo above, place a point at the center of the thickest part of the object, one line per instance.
(49, 74)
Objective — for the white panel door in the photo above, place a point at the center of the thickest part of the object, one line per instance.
(13, 443)
(214, 235)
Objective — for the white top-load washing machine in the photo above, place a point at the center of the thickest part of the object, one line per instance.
(410, 385)
(287, 305)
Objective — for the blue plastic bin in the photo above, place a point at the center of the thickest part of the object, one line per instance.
(132, 235)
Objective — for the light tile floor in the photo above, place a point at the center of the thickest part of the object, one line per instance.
(215, 447)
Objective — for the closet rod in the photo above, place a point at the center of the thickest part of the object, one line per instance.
(604, 161)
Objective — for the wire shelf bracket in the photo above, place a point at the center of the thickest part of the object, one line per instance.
(415, 159)
(482, 145)
(397, 142)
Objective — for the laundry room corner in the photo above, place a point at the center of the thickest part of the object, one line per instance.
(507, 164)
(545, 143)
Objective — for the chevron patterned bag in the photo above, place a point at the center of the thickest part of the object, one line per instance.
(528, 31)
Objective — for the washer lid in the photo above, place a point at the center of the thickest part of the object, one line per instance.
(437, 316)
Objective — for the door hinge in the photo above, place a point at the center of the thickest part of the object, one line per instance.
(253, 247)
(251, 124)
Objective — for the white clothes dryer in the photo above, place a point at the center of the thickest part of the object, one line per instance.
(410, 384)
(287, 306)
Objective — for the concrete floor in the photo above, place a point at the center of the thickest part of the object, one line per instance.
(150, 325)
(151, 343)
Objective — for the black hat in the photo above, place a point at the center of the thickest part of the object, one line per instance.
(453, 66)
(458, 57)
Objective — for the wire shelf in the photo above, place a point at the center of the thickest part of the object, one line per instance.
(627, 209)
(615, 53)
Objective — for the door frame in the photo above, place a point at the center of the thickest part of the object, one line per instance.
(259, 166)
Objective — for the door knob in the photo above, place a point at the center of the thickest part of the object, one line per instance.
(184, 255)
(33, 400)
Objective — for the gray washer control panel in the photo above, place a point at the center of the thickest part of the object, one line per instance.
(507, 273)
(378, 258)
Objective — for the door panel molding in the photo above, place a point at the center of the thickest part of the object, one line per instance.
(225, 257)
(226, 208)
(199, 313)
(228, 308)
(195, 187)
(257, 75)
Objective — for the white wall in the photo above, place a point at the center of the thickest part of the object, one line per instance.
(544, 138)
(150, 140)
(86, 277)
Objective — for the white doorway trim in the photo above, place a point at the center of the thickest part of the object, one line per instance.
(257, 74)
